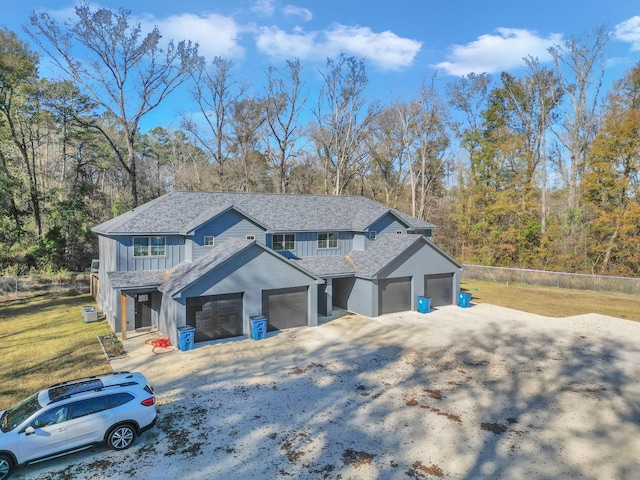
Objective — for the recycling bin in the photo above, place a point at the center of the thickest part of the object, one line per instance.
(258, 327)
(464, 299)
(424, 304)
(185, 337)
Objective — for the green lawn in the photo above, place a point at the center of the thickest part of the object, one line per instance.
(553, 302)
(44, 340)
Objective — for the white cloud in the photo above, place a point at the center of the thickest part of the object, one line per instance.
(629, 31)
(280, 44)
(293, 11)
(215, 34)
(264, 7)
(494, 53)
(386, 50)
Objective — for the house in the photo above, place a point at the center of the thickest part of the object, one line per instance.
(214, 260)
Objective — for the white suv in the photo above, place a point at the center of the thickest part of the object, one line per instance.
(72, 416)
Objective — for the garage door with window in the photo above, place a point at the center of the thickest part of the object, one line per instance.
(439, 288)
(285, 307)
(216, 316)
(394, 295)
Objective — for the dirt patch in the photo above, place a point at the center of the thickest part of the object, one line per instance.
(112, 346)
(418, 468)
(496, 428)
(357, 459)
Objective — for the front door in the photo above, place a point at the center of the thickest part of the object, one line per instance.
(143, 310)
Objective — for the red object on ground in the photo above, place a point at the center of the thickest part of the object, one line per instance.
(160, 343)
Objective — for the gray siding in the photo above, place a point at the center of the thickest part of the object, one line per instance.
(359, 241)
(416, 263)
(175, 247)
(306, 244)
(107, 298)
(172, 314)
(364, 298)
(228, 225)
(251, 273)
(387, 224)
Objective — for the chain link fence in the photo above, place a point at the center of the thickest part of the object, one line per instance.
(577, 281)
(32, 285)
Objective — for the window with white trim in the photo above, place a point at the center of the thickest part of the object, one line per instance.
(372, 235)
(399, 232)
(251, 237)
(149, 246)
(285, 241)
(327, 240)
(209, 241)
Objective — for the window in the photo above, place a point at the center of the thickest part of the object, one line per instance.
(119, 399)
(327, 240)
(284, 242)
(87, 407)
(51, 417)
(149, 246)
(251, 237)
(399, 232)
(209, 241)
(372, 235)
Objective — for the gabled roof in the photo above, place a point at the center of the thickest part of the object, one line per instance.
(188, 273)
(370, 262)
(381, 253)
(180, 212)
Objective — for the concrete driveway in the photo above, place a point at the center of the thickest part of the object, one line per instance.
(482, 392)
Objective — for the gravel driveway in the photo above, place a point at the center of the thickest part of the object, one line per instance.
(482, 392)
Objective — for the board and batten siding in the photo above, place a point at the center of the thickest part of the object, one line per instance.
(387, 224)
(306, 244)
(174, 254)
(225, 226)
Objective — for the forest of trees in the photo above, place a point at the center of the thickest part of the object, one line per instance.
(534, 171)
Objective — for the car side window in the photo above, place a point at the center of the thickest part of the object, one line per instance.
(50, 417)
(87, 407)
(119, 399)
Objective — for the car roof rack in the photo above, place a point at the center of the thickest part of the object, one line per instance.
(85, 379)
(66, 396)
(63, 391)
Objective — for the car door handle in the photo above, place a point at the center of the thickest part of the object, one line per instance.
(62, 429)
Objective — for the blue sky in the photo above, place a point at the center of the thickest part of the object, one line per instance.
(402, 40)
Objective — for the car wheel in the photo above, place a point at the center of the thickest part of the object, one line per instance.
(121, 437)
(6, 466)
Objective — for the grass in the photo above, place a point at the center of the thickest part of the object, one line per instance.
(44, 340)
(553, 302)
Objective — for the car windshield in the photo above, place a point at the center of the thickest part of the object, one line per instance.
(18, 414)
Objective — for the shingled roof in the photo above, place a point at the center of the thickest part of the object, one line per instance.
(181, 212)
(187, 273)
(381, 253)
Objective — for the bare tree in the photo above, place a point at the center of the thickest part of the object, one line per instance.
(533, 99)
(250, 172)
(126, 73)
(284, 103)
(388, 165)
(216, 92)
(343, 122)
(469, 95)
(422, 125)
(579, 62)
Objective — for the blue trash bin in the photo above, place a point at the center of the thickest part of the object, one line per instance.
(258, 327)
(186, 334)
(424, 304)
(464, 299)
